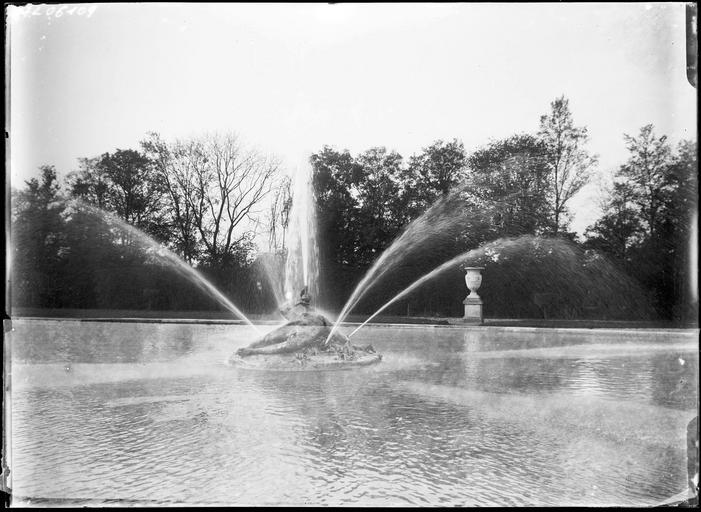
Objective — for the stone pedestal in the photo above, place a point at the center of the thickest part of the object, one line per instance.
(473, 302)
(473, 311)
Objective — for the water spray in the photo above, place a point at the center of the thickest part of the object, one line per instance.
(165, 254)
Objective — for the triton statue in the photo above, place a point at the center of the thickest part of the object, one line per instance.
(304, 337)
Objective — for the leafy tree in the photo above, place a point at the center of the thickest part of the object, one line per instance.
(512, 173)
(381, 207)
(37, 242)
(360, 203)
(123, 182)
(567, 161)
(648, 221)
(137, 190)
(90, 183)
(620, 228)
(90, 248)
(678, 230)
(644, 190)
(434, 172)
(335, 178)
(647, 173)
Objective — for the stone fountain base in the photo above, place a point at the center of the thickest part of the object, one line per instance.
(307, 361)
(305, 342)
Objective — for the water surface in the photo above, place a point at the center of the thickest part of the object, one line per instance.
(149, 414)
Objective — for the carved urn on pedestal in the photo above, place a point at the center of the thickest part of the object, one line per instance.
(473, 302)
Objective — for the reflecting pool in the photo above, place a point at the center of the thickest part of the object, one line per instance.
(152, 414)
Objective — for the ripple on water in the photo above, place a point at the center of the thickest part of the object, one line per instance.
(438, 425)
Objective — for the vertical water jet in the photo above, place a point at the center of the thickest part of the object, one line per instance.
(302, 263)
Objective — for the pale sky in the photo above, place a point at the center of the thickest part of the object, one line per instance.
(291, 78)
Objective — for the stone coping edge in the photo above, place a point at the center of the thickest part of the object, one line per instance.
(506, 328)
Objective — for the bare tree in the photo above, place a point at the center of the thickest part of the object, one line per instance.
(231, 184)
(215, 185)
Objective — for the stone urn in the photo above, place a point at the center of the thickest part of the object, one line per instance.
(473, 280)
(473, 302)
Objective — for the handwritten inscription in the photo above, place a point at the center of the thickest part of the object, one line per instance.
(57, 11)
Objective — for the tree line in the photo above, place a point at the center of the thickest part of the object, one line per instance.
(209, 198)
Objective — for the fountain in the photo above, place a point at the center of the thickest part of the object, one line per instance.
(310, 341)
(513, 393)
(306, 340)
(301, 344)
(302, 262)
(302, 341)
